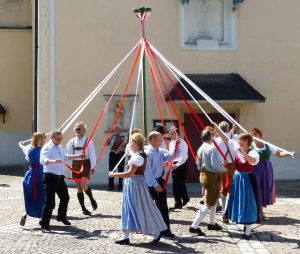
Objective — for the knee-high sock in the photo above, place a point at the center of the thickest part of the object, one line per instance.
(125, 234)
(80, 197)
(200, 216)
(212, 215)
(89, 193)
(248, 230)
(223, 202)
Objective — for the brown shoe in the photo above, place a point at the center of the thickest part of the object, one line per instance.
(225, 220)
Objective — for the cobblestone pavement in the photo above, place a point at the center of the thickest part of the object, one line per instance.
(279, 233)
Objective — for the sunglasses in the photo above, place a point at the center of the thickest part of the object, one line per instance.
(77, 129)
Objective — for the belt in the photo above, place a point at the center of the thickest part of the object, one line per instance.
(58, 176)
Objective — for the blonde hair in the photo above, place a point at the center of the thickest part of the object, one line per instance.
(246, 137)
(138, 139)
(38, 138)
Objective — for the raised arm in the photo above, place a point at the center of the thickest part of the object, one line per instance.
(220, 133)
(282, 154)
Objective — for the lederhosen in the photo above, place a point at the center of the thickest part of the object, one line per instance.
(210, 182)
(230, 172)
(76, 164)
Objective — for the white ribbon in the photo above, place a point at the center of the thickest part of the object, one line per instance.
(210, 100)
(135, 99)
(90, 97)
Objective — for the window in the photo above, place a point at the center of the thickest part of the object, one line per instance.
(208, 25)
(125, 113)
(15, 13)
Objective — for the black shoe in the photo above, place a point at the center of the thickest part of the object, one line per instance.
(123, 242)
(65, 221)
(216, 227)
(23, 220)
(167, 234)
(176, 206)
(155, 241)
(110, 188)
(86, 211)
(184, 202)
(246, 237)
(94, 204)
(202, 202)
(197, 231)
(219, 209)
(46, 229)
(120, 188)
(41, 223)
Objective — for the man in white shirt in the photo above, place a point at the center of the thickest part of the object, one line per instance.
(229, 150)
(179, 166)
(52, 156)
(88, 162)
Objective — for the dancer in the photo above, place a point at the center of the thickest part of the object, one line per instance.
(34, 195)
(139, 212)
(116, 145)
(154, 175)
(263, 171)
(228, 150)
(52, 156)
(209, 166)
(76, 146)
(179, 166)
(242, 204)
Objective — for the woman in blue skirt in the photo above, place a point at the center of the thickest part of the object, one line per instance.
(242, 204)
(34, 195)
(139, 212)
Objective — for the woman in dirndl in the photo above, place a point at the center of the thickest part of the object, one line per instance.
(263, 171)
(139, 212)
(242, 205)
(34, 195)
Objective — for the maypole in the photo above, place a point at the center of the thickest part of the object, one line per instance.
(143, 13)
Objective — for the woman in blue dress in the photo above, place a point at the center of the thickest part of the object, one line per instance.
(34, 195)
(242, 205)
(139, 212)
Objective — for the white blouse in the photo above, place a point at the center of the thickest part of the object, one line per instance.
(136, 160)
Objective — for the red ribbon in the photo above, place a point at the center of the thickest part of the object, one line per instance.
(34, 167)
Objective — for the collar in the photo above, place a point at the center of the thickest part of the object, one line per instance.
(76, 138)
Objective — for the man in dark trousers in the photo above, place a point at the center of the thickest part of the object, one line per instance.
(179, 166)
(52, 156)
(117, 146)
(154, 175)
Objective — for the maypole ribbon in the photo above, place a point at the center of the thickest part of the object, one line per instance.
(120, 105)
(176, 113)
(212, 102)
(134, 104)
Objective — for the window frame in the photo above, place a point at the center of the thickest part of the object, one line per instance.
(229, 44)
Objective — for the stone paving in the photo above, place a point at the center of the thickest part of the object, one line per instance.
(279, 233)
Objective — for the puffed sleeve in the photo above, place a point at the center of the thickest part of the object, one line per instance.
(136, 160)
(255, 155)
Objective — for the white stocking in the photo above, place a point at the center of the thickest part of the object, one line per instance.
(212, 213)
(125, 234)
(200, 216)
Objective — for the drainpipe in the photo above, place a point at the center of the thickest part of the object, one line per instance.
(35, 67)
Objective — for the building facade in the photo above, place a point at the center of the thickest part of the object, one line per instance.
(82, 41)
